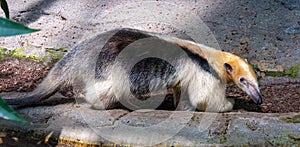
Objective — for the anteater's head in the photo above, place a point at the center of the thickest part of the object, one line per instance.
(239, 71)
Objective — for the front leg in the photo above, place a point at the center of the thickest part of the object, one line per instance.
(185, 105)
(228, 105)
(181, 102)
(176, 94)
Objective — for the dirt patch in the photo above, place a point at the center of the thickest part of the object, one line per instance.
(277, 99)
(23, 76)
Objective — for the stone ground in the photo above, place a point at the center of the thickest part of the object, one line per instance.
(61, 125)
(265, 32)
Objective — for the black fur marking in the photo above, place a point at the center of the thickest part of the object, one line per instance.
(113, 47)
(202, 62)
(150, 69)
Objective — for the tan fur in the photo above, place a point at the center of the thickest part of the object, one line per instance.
(214, 99)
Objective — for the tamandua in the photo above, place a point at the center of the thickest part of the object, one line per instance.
(117, 64)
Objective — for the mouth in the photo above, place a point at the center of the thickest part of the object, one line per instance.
(255, 95)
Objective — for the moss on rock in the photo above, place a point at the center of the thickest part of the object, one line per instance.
(294, 137)
(50, 56)
(294, 119)
(55, 54)
(291, 72)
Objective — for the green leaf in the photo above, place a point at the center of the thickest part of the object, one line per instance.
(7, 112)
(4, 8)
(10, 28)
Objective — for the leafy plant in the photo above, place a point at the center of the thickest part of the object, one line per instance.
(10, 28)
(4, 8)
(7, 112)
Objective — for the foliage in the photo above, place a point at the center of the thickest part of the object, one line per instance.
(7, 112)
(9, 28)
(4, 8)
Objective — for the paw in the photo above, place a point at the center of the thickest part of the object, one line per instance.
(229, 105)
(185, 106)
(99, 106)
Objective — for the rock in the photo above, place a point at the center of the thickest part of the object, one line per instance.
(81, 124)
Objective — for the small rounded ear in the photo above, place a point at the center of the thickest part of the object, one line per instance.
(228, 67)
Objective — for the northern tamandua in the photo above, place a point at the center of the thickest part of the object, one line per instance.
(200, 73)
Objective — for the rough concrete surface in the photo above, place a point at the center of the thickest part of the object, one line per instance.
(264, 31)
(78, 122)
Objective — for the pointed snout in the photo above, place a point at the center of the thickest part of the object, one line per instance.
(255, 94)
(252, 90)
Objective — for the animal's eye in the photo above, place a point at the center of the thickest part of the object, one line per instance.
(242, 80)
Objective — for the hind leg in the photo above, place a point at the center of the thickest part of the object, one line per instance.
(100, 95)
